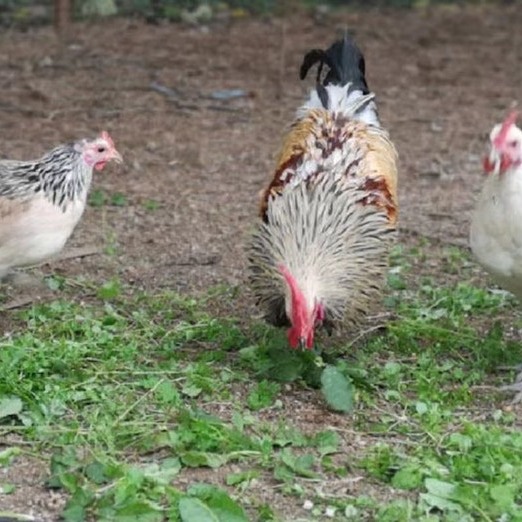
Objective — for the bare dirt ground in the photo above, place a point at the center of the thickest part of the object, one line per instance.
(443, 77)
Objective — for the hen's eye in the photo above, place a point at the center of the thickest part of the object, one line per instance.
(101, 149)
(513, 144)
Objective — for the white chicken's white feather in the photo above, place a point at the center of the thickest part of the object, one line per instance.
(496, 229)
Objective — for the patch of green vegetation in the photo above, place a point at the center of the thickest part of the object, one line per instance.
(151, 205)
(129, 394)
(101, 198)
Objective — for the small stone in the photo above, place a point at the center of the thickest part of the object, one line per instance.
(308, 505)
(350, 511)
(47, 61)
(330, 511)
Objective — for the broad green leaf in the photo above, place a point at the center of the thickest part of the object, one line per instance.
(283, 473)
(337, 389)
(198, 459)
(139, 511)
(327, 442)
(262, 395)
(95, 471)
(171, 465)
(439, 494)
(421, 407)
(407, 478)
(392, 368)
(303, 466)
(74, 513)
(286, 365)
(162, 473)
(440, 488)
(7, 455)
(312, 374)
(65, 479)
(54, 283)
(193, 510)
(219, 502)
(233, 479)
(10, 406)
(76, 505)
(109, 290)
(503, 495)
(167, 393)
(434, 501)
(463, 442)
(191, 390)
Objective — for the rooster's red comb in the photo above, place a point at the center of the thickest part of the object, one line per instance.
(299, 315)
(510, 120)
(291, 282)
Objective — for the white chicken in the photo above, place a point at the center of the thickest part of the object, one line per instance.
(496, 226)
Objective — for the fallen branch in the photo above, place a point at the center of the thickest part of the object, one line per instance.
(17, 303)
(73, 253)
(166, 91)
(174, 96)
(196, 260)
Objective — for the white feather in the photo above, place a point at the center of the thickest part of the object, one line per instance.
(36, 233)
(341, 102)
(335, 246)
(496, 229)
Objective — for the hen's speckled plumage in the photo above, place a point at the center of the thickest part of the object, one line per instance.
(61, 176)
(41, 201)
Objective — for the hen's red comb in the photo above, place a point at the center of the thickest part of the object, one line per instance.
(500, 138)
(105, 136)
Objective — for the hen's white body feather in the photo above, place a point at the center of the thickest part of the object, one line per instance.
(496, 229)
(35, 231)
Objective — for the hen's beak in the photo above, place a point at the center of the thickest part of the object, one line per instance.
(302, 343)
(492, 163)
(116, 156)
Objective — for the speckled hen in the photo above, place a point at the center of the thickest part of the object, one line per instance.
(319, 255)
(41, 201)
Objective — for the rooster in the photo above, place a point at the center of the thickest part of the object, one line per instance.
(41, 201)
(496, 225)
(320, 253)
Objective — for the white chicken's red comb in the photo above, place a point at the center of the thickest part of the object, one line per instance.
(105, 136)
(500, 138)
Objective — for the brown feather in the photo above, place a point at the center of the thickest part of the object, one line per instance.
(319, 134)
